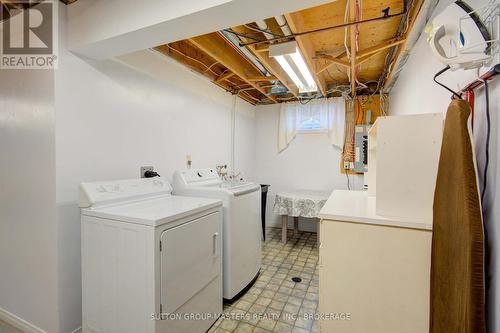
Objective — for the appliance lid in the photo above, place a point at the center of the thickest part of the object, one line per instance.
(240, 188)
(192, 179)
(153, 211)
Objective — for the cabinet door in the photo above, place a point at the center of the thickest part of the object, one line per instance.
(379, 275)
(190, 260)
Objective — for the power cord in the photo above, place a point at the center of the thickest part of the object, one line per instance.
(487, 277)
(151, 174)
(488, 131)
(348, 180)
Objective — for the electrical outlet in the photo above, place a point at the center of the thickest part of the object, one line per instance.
(346, 165)
(146, 168)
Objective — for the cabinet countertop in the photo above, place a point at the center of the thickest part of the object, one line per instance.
(359, 207)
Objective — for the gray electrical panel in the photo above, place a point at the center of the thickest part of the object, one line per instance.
(361, 148)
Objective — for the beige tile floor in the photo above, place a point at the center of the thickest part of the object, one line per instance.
(275, 303)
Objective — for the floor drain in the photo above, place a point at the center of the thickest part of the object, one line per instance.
(296, 279)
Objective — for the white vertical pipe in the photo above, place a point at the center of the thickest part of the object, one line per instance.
(233, 133)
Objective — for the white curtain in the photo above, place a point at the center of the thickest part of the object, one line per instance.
(326, 114)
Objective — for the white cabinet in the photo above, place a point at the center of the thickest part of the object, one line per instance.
(403, 157)
(373, 272)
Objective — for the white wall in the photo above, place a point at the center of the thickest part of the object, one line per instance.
(310, 162)
(113, 117)
(415, 92)
(28, 233)
(102, 29)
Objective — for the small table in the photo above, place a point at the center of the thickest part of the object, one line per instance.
(301, 203)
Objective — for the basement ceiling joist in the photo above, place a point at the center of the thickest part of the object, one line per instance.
(348, 46)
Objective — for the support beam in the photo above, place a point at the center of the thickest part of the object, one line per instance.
(224, 77)
(261, 48)
(296, 25)
(261, 78)
(368, 52)
(332, 61)
(352, 35)
(216, 47)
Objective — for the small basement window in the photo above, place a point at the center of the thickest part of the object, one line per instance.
(312, 121)
(310, 125)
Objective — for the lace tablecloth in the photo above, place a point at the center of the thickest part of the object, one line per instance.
(300, 203)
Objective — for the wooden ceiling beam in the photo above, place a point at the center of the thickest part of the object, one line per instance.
(261, 78)
(332, 61)
(364, 54)
(361, 56)
(269, 63)
(216, 47)
(224, 77)
(190, 56)
(261, 48)
(296, 25)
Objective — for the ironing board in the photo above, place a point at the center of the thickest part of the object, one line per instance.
(299, 203)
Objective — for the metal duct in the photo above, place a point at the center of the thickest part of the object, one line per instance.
(234, 40)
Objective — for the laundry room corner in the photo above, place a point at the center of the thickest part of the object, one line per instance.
(249, 166)
(151, 109)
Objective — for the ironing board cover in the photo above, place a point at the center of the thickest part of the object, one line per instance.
(457, 299)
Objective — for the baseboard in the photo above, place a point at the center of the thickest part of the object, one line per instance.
(78, 330)
(19, 323)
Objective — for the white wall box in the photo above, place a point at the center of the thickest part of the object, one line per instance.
(403, 157)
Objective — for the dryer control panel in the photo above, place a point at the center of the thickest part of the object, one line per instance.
(101, 193)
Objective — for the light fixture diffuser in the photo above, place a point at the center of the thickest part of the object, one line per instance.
(290, 59)
(288, 69)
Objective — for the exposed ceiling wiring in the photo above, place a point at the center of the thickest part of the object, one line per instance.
(212, 65)
(267, 31)
(193, 59)
(239, 34)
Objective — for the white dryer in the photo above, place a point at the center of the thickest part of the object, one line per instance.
(242, 225)
(146, 252)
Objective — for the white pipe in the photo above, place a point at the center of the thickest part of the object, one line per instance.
(233, 134)
(283, 25)
(263, 26)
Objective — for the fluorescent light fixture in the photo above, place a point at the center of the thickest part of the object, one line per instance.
(292, 62)
(299, 61)
(288, 69)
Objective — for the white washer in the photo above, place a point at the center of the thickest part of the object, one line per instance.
(242, 224)
(146, 252)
